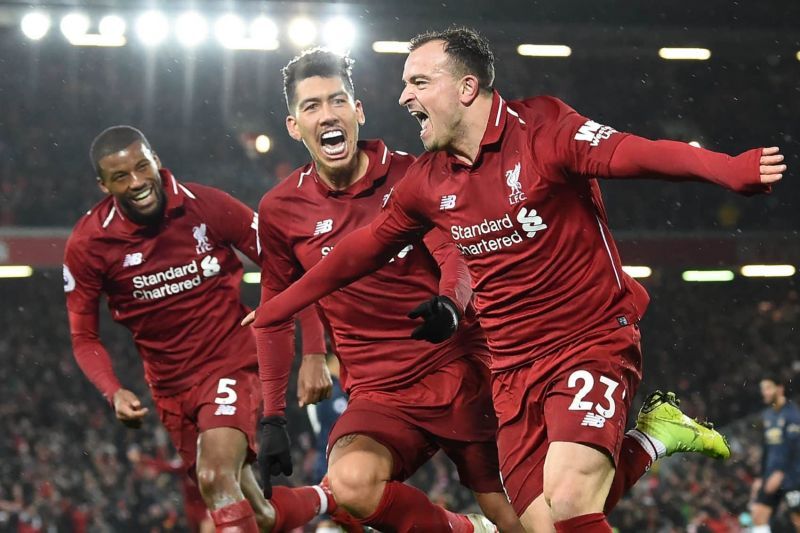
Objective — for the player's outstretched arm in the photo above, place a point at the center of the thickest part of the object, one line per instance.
(751, 172)
(355, 256)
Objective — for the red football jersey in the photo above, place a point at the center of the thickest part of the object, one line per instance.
(529, 219)
(175, 286)
(301, 220)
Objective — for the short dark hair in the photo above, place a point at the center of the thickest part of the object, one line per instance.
(112, 140)
(468, 50)
(775, 377)
(316, 62)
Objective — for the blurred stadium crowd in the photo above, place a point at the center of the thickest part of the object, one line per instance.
(67, 465)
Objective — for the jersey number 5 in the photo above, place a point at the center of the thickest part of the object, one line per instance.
(226, 395)
(579, 404)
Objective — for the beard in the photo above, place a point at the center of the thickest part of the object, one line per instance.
(150, 218)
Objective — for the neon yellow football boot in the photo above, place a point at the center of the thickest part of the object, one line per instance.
(661, 419)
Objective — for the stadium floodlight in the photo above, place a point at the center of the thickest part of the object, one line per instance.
(798, 55)
(15, 271)
(112, 26)
(35, 25)
(252, 277)
(302, 31)
(544, 50)
(191, 28)
(391, 47)
(697, 54)
(264, 33)
(152, 27)
(263, 143)
(638, 271)
(74, 25)
(707, 275)
(695, 144)
(768, 271)
(339, 34)
(229, 30)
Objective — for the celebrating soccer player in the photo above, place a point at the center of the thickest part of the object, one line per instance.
(407, 399)
(514, 184)
(163, 254)
(780, 461)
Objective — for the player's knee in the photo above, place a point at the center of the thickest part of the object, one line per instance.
(215, 482)
(572, 495)
(356, 485)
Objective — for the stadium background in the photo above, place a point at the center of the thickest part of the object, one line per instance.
(66, 465)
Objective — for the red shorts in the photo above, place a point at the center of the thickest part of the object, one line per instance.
(449, 409)
(580, 394)
(221, 400)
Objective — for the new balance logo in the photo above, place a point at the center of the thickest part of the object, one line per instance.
(448, 202)
(225, 410)
(593, 420)
(531, 221)
(132, 260)
(323, 226)
(593, 133)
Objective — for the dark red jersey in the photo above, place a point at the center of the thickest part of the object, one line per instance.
(174, 286)
(301, 220)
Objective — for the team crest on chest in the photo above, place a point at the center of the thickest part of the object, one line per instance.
(512, 180)
(199, 234)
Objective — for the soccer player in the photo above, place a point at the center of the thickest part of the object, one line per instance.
(514, 184)
(162, 252)
(780, 460)
(407, 399)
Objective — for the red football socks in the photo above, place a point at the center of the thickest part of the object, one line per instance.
(633, 462)
(235, 518)
(295, 507)
(404, 508)
(588, 523)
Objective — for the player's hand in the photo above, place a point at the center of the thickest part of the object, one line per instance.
(314, 382)
(249, 319)
(771, 168)
(129, 409)
(441, 319)
(274, 457)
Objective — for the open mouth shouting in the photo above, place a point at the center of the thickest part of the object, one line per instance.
(143, 200)
(334, 143)
(423, 120)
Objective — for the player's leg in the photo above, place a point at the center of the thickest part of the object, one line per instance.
(220, 457)
(264, 510)
(761, 509)
(469, 417)
(372, 452)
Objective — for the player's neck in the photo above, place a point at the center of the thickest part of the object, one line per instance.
(341, 179)
(473, 126)
(779, 403)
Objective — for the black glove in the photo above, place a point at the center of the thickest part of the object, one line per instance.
(441, 319)
(274, 457)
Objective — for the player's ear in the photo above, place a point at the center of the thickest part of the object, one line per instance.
(468, 89)
(291, 127)
(362, 119)
(101, 185)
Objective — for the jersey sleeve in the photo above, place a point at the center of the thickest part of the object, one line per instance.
(312, 331)
(570, 143)
(82, 285)
(275, 344)
(234, 222)
(402, 219)
(454, 277)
